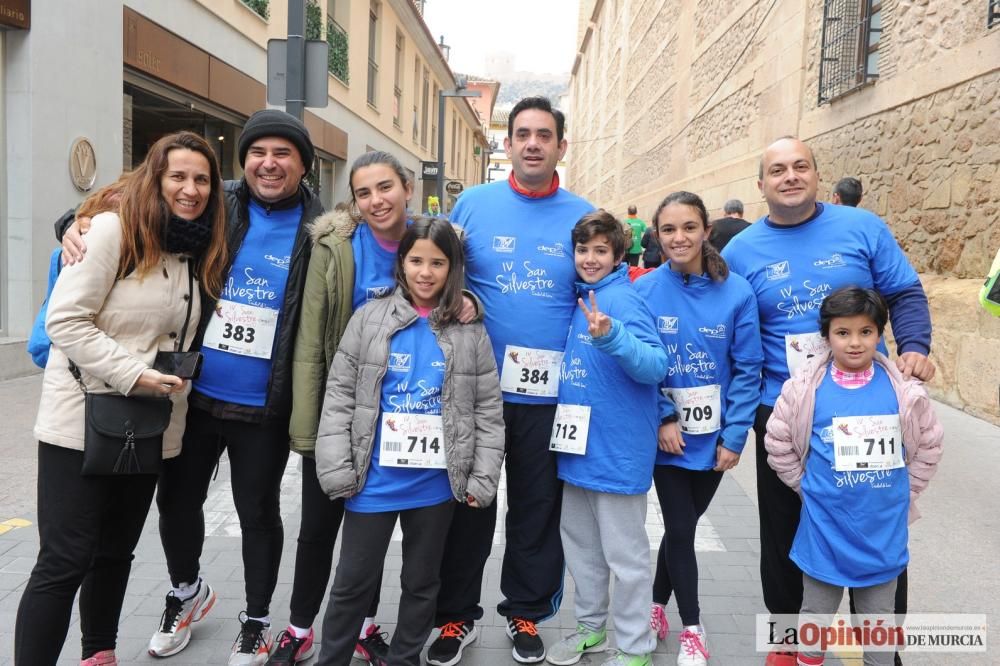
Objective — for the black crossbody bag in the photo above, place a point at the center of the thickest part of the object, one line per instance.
(123, 435)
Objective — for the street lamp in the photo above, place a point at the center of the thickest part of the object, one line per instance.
(459, 91)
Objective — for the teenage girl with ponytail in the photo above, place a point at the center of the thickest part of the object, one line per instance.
(707, 320)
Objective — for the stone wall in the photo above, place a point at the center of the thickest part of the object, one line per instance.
(923, 138)
(929, 168)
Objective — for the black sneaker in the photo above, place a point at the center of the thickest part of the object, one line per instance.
(292, 650)
(528, 646)
(446, 650)
(373, 648)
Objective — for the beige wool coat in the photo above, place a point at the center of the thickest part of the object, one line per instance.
(112, 329)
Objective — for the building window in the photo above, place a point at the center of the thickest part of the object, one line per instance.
(397, 103)
(435, 100)
(424, 109)
(993, 13)
(852, 31)
(416, 98)
(373, 47)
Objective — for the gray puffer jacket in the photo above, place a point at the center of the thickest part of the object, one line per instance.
(471, 403)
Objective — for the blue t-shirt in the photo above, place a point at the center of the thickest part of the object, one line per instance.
(791, 270)
(519, 262)
(257, 277)
(712, 337)
(852, 531)
(373, 267)
(412, 384)
(601, 373)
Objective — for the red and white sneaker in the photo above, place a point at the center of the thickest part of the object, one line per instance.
(253, 644)
(178, 616)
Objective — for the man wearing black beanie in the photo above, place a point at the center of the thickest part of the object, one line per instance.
(241, 401)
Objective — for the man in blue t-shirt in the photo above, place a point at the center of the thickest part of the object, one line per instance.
(799, 252)
(241, 401)
(519, 262)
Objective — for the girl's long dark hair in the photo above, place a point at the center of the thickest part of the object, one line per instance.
(711, 261)
(440, 233)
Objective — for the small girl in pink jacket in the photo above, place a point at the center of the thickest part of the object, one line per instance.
(859, 442)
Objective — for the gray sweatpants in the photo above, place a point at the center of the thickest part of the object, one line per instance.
(604, 534)
(819, 598)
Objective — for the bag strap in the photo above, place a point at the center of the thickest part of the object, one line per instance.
(190, 305)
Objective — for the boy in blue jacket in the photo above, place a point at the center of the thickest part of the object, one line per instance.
(613, 357)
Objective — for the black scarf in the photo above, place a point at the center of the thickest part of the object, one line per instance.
(188, 236)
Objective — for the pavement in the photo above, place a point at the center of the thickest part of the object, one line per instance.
(954, 552)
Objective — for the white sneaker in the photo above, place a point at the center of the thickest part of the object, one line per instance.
(694, 647)
(178, 616)
(253, 644)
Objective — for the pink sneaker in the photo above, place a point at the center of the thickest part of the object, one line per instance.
(658, 621)
(694, 648)
(292, 650)
(102, 658)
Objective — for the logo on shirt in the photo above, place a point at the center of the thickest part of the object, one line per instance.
(834, 261)
(378, 292)
(399, 362)
(826, 435)
(552, 250)
(667, 324)
(438, 364)
(778, 271)
(504, 243)
(278, 262)
(717, 332)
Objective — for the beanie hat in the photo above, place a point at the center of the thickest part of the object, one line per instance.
(272, 122)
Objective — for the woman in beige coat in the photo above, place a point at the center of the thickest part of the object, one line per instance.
(160, 230)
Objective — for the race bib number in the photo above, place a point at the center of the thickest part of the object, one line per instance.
(570, 429)
(246, 330)
(867, 443)
(699, 408)
(412, 440)
(800, 347)
(529, 371)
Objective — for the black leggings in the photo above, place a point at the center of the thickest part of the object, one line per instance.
(88, 528)
(321, 518)
(257, 457)
(684, 496)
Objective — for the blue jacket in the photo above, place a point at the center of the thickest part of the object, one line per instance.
(39, 343)
(617, 376)
(712, 336)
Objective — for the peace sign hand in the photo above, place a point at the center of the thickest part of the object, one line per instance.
(599, 324)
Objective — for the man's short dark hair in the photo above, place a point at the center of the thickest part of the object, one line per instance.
(632, 210)
(733, 206)
(542, 104)
(849, 190)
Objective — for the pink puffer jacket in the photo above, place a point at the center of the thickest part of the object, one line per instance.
(790, 427)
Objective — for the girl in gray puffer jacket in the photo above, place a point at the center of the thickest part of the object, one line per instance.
(412, 421)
